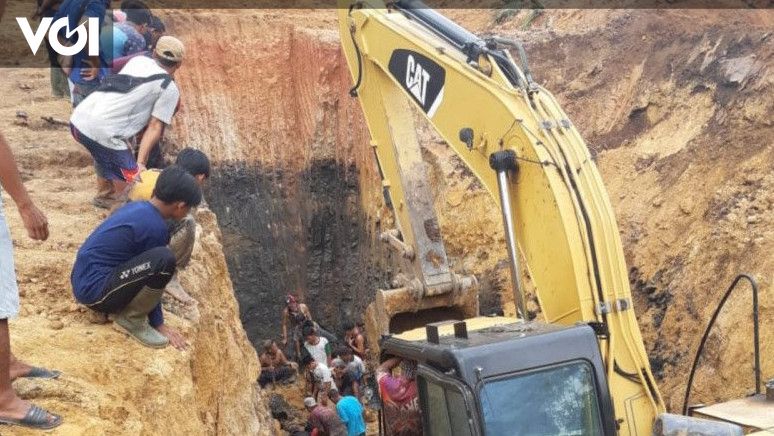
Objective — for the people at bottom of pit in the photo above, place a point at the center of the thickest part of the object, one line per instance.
(323, 421)
(398, 390)
(344, 380)
(294, 315)
(275, 367)
(355, 339)
(350, 412)
(317, 346)
(124, 265)
(318, 378)
(354, 364)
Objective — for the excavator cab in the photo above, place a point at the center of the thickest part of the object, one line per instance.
(469, 382)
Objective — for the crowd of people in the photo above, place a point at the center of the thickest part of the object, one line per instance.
(337, 377)
(122, 102)
(333, 370)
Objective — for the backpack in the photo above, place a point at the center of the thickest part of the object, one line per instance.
(124, 83)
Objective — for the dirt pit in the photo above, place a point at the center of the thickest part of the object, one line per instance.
(674, 104)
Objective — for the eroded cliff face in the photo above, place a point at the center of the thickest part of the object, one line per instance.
(297, 195)
(224, 366)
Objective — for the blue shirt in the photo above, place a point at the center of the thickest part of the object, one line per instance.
(351, 414)
(93, 9)
(130, 231)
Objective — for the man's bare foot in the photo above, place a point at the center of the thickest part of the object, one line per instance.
(17, 368)
(13, 407)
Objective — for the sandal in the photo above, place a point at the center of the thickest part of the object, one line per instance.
(43, 373)
(36, 418)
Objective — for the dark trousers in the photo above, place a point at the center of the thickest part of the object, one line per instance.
(153, 268)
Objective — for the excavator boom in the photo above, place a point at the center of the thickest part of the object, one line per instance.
(513, 135)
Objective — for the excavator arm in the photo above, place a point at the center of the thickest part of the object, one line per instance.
(513, 135)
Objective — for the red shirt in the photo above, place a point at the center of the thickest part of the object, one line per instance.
(400, 404)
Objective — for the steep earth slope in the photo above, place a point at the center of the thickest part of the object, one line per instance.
(110, 384)
(676, 105)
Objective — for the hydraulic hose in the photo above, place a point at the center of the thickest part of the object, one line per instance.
(756, 337)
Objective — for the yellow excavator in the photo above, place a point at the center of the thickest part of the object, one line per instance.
(582, 369)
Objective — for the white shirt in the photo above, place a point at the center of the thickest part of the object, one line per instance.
(318, 351)
(356, 367)
(322, 374)
(110, 118)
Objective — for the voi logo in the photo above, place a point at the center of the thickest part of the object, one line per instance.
(87, 34)
(416, 79)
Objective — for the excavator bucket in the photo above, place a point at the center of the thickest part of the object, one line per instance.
(398, 310)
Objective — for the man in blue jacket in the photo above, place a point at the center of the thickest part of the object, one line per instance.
(84, 72)
(124, 265)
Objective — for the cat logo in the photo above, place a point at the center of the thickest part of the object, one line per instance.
(416, 79)
(421, 77)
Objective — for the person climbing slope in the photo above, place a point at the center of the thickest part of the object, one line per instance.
(294, 315)
(124, 265)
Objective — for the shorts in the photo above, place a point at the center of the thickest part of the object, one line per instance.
(9, 292)
(110, 164)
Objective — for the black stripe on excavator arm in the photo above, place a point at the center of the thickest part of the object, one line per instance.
(587, 224)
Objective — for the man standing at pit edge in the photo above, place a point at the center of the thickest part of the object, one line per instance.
(142, 94)
(14, 410)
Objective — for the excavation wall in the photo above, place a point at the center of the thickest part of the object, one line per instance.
(673, 104)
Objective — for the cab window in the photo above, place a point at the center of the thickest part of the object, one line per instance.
(556, 401)
(443, 407)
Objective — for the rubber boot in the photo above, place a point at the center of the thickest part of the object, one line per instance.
(134, 318)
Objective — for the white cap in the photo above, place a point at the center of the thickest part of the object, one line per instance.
(310, 402)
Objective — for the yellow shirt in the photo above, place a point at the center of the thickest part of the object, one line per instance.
(143, 190)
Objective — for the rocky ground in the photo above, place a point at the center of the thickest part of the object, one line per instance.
(676, 106)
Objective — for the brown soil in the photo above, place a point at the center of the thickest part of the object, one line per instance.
(677, 106)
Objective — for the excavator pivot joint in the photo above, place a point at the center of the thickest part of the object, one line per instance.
(503, 160)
